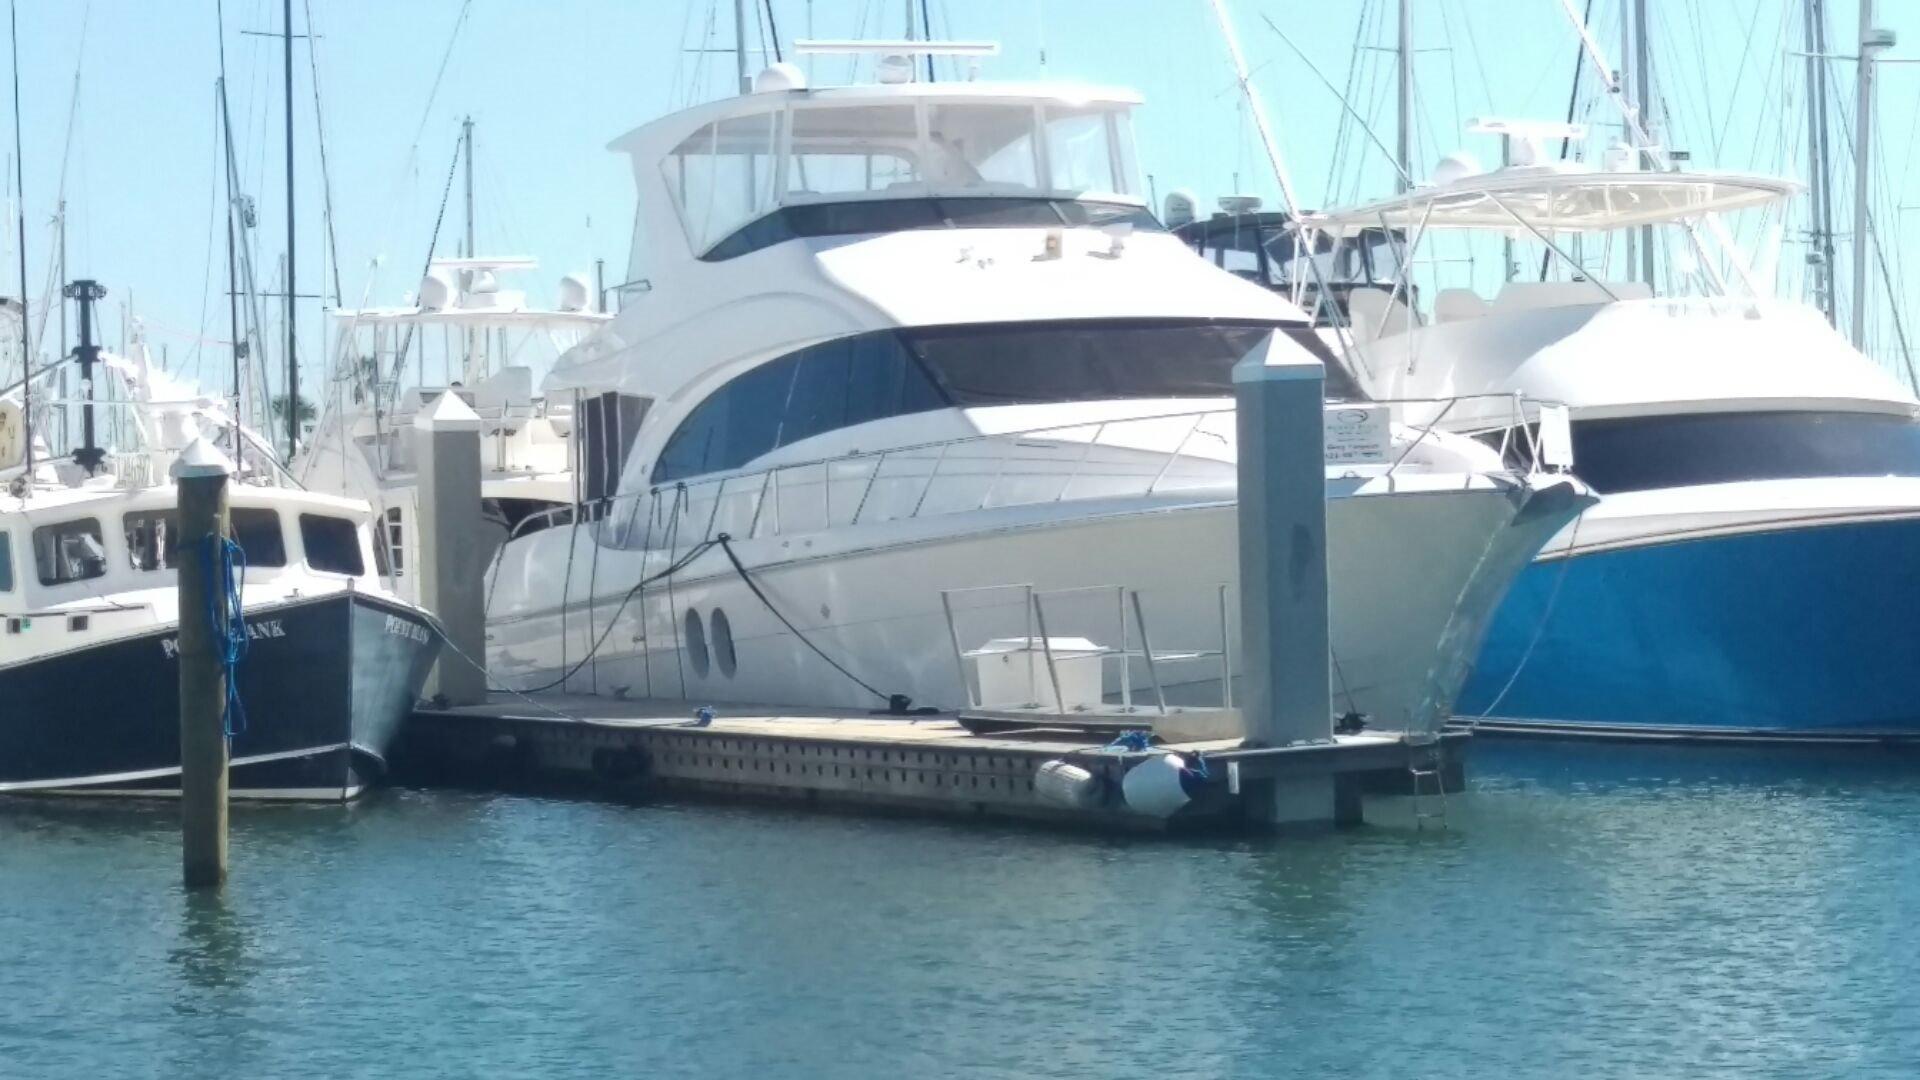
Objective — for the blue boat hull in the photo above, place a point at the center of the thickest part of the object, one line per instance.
(1811, 631)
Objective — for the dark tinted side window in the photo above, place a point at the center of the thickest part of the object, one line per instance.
(333, 544)
(853, 380)
(6, 563)
(258, 534)
(1645, 452)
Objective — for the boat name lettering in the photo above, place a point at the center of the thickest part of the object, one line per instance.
(400, 627)
(257, 629)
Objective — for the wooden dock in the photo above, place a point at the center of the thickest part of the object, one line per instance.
(926, 764)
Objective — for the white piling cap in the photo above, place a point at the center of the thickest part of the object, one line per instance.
(200, 460)
(1277, 358)
(448, 412)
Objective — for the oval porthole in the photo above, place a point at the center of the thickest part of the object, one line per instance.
(696, 642)
(723, 643)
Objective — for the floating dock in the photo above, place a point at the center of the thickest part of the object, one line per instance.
(943, 764)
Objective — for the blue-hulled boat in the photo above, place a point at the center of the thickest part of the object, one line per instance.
(1753, 566)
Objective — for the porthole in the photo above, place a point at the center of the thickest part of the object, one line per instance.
(696, 642)
(723, 643)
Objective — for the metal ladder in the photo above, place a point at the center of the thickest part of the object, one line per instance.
(1426, 771)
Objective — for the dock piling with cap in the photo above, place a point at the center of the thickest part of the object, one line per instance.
(201, 474)
(454, 546)
(1287, 695)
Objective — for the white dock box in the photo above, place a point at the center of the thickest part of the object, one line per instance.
(1012, 673)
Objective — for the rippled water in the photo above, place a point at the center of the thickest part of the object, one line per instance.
(1672, 913)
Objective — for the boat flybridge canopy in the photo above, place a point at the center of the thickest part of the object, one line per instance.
(729, 163)
(1558, 199)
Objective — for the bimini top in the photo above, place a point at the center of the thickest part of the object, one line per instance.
(1553, 198)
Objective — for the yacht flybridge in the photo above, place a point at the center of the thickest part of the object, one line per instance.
(468, 333)
(924, 391)
(1751, 565)
(88, 599)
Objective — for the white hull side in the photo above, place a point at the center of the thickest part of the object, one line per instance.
(1414, 579)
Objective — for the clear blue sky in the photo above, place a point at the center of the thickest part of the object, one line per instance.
(550, 83)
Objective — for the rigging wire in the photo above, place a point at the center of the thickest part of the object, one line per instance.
(320, 132)
(773, 30)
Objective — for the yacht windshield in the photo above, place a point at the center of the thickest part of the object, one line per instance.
(868, 377)
(734, 172)
(1646, 452)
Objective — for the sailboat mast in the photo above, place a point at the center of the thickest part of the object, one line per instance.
(470, 345)
(233, 283)
(1403, 144)
(293, 359)
(1862, 173)
(466, 153)
(20, 225)
(740, 45)
(1820, 173)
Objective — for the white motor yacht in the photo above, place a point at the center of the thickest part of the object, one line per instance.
(906, 358)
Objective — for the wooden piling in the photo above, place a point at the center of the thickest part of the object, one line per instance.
(201, 476)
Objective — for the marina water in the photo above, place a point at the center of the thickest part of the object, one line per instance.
(1664, 913)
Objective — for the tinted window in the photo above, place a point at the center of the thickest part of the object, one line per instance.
(6, 563)
(849, 381)
(69, 551)
(901, 215)
(333, 544)
(1641, 453)
(258, 534)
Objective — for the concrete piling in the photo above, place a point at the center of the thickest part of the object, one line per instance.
(201, 475)
(1287, 694)
(454, 546)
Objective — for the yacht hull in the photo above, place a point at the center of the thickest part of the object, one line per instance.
(326, 684)
(1799, 630)
(1414, 578)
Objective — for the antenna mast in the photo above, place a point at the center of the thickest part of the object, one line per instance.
(1863, 172)
(1820, 174)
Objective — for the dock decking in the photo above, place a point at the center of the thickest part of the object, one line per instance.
(930, 763)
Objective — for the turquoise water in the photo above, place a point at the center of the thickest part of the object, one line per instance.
(1670, 914)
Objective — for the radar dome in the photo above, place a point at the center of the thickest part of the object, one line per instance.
(1454, 168)
(1181, 208)
(437, 290)
(575, 293)
(779, 77)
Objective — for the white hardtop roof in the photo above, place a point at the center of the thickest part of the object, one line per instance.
(493, 318)
(1556, 198)
(668, 131)
(105, 497)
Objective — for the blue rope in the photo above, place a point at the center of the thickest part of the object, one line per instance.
(226, 565)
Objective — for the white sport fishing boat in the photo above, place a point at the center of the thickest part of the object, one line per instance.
(467, 333)
(1749, 570)
(906, 357)
(88, 597)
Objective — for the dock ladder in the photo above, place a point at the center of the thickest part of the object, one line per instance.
(1426, 765)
